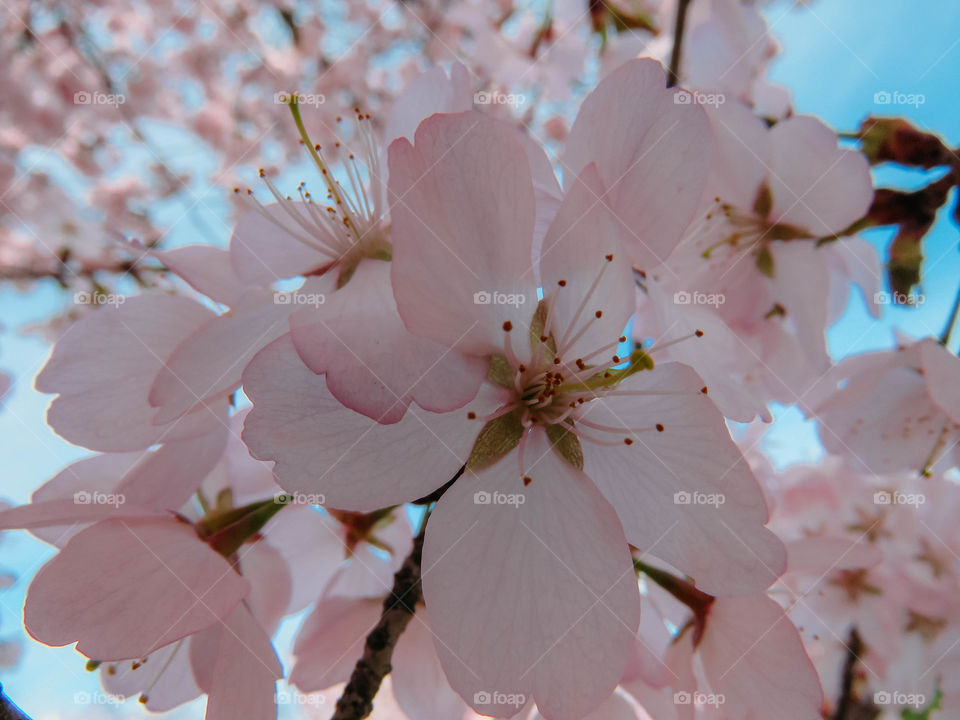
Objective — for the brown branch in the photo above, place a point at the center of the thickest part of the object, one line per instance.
(356, 702)
(8, 710)
(673, 77)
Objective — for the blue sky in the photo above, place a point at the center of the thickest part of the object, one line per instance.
(836, 55)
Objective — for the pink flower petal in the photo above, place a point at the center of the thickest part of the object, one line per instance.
(815, 184)
(270, 580)
(306, 539)
(124, 588)
(530, 600)
(208, 364)
(685, 495)
(321, 447)
(331, 640)
(100, 473)
(103, 368)
(575, 252)
(67, 512)
(166, 478)
(372, 363)
(206, 269)
(942, 370)
(246, 671)
(419, 684)
(460, 237)
(428, 93)
(263, 252)
(165, 678)
(753, 656)
(653, 155)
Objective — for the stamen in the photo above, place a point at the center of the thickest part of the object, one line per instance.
(664, 346)
(563, 345)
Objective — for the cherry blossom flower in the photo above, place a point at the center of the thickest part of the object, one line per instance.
(762, 271)
(472, 232)
(893, 410)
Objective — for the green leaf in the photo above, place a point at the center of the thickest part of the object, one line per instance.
(765, 262)
(500, 372)
(226, 531)
(496, 439)
(567, 444)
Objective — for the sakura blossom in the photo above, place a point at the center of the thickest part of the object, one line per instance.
(460, 360)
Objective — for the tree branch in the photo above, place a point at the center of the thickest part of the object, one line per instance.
(673, 77)
(8, 710)
(356, 702)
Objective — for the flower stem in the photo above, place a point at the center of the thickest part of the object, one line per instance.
(948, 330)
(356, 701)
(673, 77)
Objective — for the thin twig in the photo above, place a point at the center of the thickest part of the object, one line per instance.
(948, 330)
(8, 710)
(676, 55)
(356, 701)
(846, 701)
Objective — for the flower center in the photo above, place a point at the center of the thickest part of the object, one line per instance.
(350, 222)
